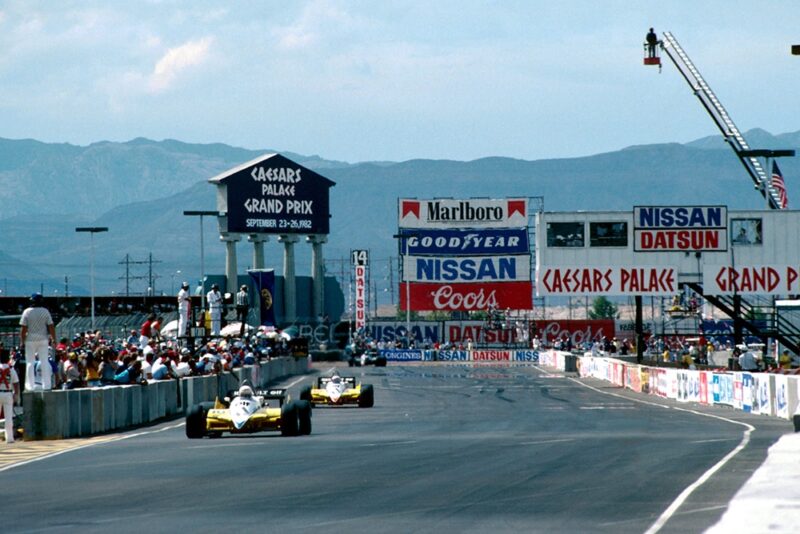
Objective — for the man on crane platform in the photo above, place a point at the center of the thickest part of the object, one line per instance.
(652, 42)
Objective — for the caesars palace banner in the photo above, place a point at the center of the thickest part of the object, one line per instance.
(465, 255)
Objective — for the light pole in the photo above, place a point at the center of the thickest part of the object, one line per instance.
(201, 214)
(92, 230)
(404, 237)
(172, 286)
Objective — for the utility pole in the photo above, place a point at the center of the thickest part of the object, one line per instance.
(150, 276)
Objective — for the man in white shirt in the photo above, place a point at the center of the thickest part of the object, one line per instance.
(36, 332)
(214, 298)
(184, 302)
(9, 393)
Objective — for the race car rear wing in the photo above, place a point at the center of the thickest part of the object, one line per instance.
(323, 381)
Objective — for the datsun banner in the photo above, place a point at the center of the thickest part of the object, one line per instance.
(491, 355)
(680, 228)
(464, 332)
(662, 280)
(465, 242)
(469, 213)
(467, 297)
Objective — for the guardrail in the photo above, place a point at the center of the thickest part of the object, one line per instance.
(759, 393)
(60, 414)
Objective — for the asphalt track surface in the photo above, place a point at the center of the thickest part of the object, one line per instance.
(447, 448)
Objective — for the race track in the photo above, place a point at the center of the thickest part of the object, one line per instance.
(447, 448)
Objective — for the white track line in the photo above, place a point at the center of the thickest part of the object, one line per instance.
(678, 502)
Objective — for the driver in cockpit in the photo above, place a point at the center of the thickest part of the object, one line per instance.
(246, 392)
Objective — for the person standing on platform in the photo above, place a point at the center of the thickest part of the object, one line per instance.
(9, 393)
(214, 298)
(184, 305)
(36, 332)
(652, 41)
(242, 308)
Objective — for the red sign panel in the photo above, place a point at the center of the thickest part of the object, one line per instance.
(578, 330)
(467, 297)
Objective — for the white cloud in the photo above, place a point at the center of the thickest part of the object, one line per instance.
(176, 61)
(318, 20)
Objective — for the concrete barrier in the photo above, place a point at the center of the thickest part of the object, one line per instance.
(88, 411)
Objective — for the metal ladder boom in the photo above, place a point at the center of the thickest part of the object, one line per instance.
(721, 118)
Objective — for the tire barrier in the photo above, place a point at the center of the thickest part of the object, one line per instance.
(60, 414)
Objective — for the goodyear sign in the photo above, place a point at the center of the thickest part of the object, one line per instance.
(680, 228)
(465, 242)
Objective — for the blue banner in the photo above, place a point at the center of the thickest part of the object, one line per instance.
(453, 356)
(399, 355)
(465, 242)
(264, 281)
(526, 355)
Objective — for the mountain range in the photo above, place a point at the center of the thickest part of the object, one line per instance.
(140, 188)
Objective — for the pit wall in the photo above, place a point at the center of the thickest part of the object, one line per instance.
(74, 413)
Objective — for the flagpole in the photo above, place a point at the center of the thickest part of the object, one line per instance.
(769, 183)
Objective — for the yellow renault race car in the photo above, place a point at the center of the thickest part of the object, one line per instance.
(246, 411)
(337, 390)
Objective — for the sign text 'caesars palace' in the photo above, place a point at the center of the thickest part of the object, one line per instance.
(656, 280)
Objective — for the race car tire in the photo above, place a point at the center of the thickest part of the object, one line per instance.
(196, 422)
(304, 417)
(380, 362)
(208, 405)
(367, 397)
(351, 362)
(305, 393)
(289, 419)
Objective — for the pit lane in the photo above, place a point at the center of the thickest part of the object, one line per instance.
(467, 448)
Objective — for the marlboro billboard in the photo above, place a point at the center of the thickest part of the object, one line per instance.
(465, 255)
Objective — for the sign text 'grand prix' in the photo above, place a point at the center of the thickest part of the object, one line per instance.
(752, 280)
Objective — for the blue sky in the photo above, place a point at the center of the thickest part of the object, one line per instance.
(375, 80)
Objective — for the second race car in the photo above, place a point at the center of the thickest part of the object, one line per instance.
(246, 411)
(337, 390)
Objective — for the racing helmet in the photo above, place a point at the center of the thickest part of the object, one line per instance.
(246, 392)
(335, 378)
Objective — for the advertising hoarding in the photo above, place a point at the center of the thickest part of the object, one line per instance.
(276, 195)
(465, 242)
(466, 269)
(468, 296)
(614, 280)
(468, 213)
(680, 228)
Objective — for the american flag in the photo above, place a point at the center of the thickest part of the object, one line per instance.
(779, 185)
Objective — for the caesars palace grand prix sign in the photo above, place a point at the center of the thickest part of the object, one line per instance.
(273, 194)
